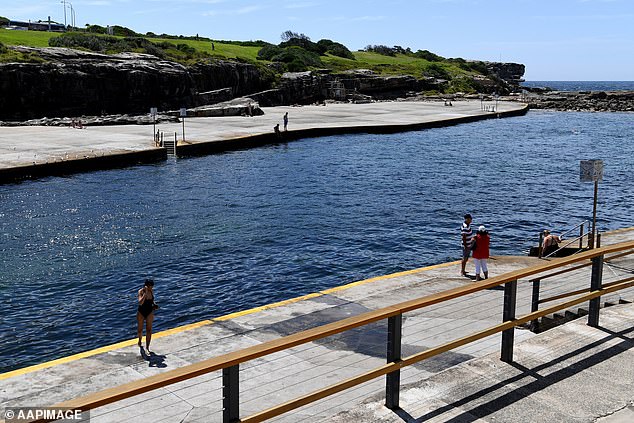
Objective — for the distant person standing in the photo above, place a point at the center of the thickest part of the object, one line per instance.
(481, 252)
(145, 312)
(285, 120)
(467, 239)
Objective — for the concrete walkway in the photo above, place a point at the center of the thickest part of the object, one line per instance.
(38, 145)
(449, 387)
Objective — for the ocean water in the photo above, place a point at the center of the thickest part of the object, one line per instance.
(233, 231)
(582, 85)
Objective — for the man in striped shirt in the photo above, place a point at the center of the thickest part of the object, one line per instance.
(467, 240)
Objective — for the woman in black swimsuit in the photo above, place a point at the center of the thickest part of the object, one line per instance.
(146, 311)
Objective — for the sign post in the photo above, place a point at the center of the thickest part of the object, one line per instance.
(183, 115)
(153, 112)
(592, 171)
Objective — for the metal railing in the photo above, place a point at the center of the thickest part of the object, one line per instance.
(230, 363)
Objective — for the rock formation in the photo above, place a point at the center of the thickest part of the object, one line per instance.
(74, 83)
(592, 101)
(78, 83)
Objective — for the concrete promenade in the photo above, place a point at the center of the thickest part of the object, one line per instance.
(39, 151)
(568, 374)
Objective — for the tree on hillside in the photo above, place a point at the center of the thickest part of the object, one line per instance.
(289, 35)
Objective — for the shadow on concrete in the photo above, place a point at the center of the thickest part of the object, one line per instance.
(539, 383)
(154, 360)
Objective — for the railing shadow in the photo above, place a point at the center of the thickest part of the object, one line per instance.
(540, 382)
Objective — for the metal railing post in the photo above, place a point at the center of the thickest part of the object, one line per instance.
(508, 314)
(535, 304)
(595, 284)
(393, 380)
(581, 237)
(230, 394)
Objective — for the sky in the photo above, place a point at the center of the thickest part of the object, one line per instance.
(565, 40)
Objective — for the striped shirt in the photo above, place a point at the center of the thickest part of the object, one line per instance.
(466, 234)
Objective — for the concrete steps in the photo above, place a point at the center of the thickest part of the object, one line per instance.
(553, 320)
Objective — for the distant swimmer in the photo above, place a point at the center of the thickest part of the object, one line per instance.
(145, 312)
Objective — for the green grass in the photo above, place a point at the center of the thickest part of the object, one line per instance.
(221, 50)
(26, 38)
(389, 65)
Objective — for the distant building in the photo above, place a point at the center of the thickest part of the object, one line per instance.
(36, 26)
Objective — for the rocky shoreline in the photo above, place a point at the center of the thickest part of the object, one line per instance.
(582, 101)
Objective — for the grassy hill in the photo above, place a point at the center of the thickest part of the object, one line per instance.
(189, 49)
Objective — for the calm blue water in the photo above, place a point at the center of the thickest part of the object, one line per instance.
(583, 85)
(233, 231)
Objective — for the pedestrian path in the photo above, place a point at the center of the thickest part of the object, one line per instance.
(38, 151)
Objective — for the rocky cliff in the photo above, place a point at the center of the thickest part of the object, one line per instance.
(512, 73)
(74, 83)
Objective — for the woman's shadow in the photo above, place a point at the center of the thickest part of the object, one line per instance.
(153, 359)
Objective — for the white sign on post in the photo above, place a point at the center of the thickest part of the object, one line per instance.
(591, 170)
(153, 111)
(183, 112)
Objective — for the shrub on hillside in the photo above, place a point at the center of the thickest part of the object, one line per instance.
(122, 31)
(85, 41)
(3, 48)
(106, 44)
(381, 49)
(256, 43)
(4, 21)
(429, 56)
(304, 43)
(463, 84)
(479, 66)
(186, 48)
(336, 49)
(268, 51)
(297, 59)
(96, 29)
(435, 70)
